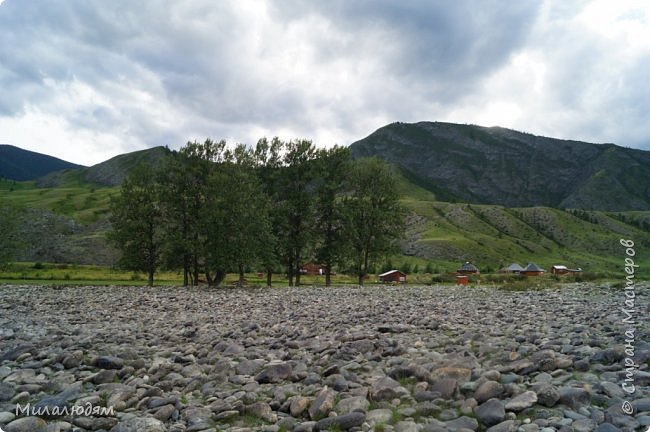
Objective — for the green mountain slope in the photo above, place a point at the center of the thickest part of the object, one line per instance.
(494, 236)
(500, 166)
(67, 222)
(108, 173)
(21, 165)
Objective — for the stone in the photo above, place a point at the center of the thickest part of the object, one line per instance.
(463, 422)
(547, 395)
(522, 401)
(13, 354)
(261, 410)
(109, 362)
(386, 389)
(104, 377)
(7, 391)
(545, 360)
(606, 427)
(406, 426)
(427, 409)
(612, 390)
(381, 415)
(274, 373)
(574, 397)
(140, 424)
(584, 425)
(460, 374)
(27, 424)
(424, 396)
(446, 387)
(488, 390)
(249, 367)
(348, 405)
(342, 422)
(103, 423)
(323, 404)
(490, 412)
(506, 426)
(165, 412)
(298, 405)
(6, 417)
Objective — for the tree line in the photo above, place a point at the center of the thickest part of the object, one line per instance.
(211, 209)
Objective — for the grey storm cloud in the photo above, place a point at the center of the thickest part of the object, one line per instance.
(108, 77)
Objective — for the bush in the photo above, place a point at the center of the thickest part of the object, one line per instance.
(38, 266)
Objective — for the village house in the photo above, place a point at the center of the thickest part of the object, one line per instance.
(533, 269)
(513, 268)
(313, 269)
(393, 276)
(563, 270)
(468, 268)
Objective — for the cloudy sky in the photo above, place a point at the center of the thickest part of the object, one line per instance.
(85, 80)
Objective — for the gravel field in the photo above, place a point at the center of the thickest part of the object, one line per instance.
(388, 358)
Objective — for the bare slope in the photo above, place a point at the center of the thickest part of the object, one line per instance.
(475, 164)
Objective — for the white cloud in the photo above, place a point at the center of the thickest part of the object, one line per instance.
(88, 80)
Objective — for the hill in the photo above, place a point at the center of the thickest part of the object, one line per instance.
(109, 173)
(67, 221)
(474, 164)
(21, 165)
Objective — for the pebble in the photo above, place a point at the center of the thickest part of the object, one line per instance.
(171, 359)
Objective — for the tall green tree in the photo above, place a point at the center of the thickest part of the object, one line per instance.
(183, 187)
(332, 168)
(267, 159)
(236, 216)
(137, 220)
(10, 237)
(297, 198)
(375, 218)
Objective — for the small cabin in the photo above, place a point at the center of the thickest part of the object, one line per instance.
(393, 276)
(533, 269)
(563, 270)
(513, 268)
(468, 268)
(313, 269)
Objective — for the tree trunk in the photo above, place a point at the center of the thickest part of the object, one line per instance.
(186, 271)
(269, 276)
(361, 277)
(241, 274)
(150, 279)
(196, 270)
(328, 275)
(218, 278)
(297, 262)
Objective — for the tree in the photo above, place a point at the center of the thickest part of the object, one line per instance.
(182, 192)
(267, 159)
(10, 237)
(137, 221)
(236, 218)
(376, 220)
(296, 194)
(332, 167)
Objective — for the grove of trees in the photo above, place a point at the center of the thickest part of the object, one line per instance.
(212, 209)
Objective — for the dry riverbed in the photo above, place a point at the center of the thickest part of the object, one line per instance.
(396, 359)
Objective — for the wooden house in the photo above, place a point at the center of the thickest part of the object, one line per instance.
(533, 269)
(313, 269)
(513, 268)
(563, 270)
(468, 268)
(393, 276)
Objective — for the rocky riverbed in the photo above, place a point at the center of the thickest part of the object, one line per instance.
(400, 359)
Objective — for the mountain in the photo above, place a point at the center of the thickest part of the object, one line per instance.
(109, 173)
(480, 165)
(21, 165)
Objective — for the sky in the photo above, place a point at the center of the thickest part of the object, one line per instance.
(86, 80)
